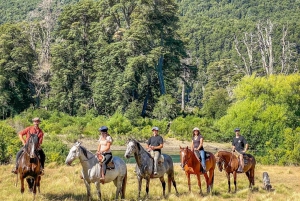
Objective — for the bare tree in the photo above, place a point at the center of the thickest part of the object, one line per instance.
(287, 54)
(265, 46)
(42, 21)
(248, 41)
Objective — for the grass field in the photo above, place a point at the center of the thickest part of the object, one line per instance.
(63, 183)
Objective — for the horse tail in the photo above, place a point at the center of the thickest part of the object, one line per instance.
(124, 186)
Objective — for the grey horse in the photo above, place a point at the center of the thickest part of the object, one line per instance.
(91, 170)
(144, 167)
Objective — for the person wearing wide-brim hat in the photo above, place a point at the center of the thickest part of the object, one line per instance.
(197, 147)
(35, 129)
(155, 144)
(239, 146)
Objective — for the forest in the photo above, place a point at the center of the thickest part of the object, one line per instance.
(133, 64)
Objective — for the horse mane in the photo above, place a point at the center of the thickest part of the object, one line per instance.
(139, 146)
(84, 151)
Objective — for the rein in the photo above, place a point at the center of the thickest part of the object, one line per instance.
(186, 161)
(228, 164)
(85, 154)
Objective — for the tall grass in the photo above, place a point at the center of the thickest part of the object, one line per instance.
(63, 183)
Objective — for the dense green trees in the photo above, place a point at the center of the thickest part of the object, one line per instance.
(129, 60)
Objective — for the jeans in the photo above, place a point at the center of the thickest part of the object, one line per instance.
(202, 154)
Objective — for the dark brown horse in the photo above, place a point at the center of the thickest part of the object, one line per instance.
(29, 165)
(228, 162)
(191, 165)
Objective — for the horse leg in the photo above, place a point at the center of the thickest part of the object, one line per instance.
(189, 180)
(163, 183)
(124, 182)
(88, 190)
(171, 179)
(228, 181)
(147, 187)
(207, 180)
(249, 178)
(252, 175)
(38, 183)
(118, 184)
(97, 184)
(139, 186)
(199, 184)
(234, 180)
(22, 183)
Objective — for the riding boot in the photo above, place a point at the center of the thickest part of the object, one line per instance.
(15, 169)
(102, 179)
(240, 170)
(41, 170)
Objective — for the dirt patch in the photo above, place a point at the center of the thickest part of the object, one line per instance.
(170, 144)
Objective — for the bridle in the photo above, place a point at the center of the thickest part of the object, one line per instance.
(186, 161)
(222, 161)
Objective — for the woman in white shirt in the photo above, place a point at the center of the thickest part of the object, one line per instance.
(105, 142)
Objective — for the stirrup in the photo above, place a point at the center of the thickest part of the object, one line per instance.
(42, 171)
(14, 170)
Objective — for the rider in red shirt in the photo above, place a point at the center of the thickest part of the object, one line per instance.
(35, 129)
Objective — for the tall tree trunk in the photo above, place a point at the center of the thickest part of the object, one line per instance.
(182, 96)
(160, 75)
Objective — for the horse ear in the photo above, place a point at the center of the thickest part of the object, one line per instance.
(187, 147)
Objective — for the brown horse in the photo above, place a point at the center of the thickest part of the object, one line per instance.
(191, 165)
(29, 165)
(228, 162)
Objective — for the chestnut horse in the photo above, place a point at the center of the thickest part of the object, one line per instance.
(29, 165)
(191, 165)
(228, 162)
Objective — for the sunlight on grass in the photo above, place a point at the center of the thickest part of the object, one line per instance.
(63, 183)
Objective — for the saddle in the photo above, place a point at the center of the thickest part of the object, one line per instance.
(161, 159)
(206, 156)
(110, 164)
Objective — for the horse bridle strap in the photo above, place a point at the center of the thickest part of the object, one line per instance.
(186, 161)
(228, 165)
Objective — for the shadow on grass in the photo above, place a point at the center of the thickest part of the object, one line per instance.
(68, 196)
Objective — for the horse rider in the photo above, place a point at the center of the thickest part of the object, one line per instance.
(105, 141)
(240, 146)
(197, 144)
(35, 129)
(155, 143)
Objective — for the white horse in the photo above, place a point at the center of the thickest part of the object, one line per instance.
(91, 170)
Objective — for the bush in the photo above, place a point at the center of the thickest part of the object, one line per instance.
(9, 144)
(55, 150)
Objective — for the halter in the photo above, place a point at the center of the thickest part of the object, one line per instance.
(186, 161)
(223, 161)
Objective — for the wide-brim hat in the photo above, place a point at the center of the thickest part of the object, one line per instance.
(196, 129)
(155, 128)
(36, 119)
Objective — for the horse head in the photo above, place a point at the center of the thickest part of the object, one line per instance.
(31, 145)
(132, 147)
(185, 156)
(73, 153)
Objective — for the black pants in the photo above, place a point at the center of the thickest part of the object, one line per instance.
(40, 153)
(108, 157)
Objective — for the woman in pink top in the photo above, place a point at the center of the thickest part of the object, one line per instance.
(105, 142)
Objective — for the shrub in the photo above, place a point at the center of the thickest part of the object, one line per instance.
(9, 144)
